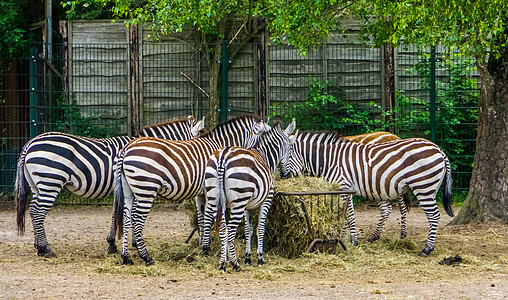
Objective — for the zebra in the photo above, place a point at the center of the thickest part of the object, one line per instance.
(381, 172)
(384, 206)
(172, 169)
(241, 178)
(54, 161)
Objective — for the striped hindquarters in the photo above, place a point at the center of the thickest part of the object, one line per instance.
(394, 166)
(175, 169)
(244, 172)
(82, 165)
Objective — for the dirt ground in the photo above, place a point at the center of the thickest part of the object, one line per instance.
(82, 269)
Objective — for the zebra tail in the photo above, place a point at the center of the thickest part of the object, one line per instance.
(447, 191)
(21, 195)
(221, 196)
(119, 199)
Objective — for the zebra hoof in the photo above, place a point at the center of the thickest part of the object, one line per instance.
(403, 235)
(372, 239)
(236, 267)
(112, 248)
(425, 252)
(247, 261)
(45, 251)
(206, 250)
(134, 244)
(261, 262)
(126, 260)
(149, 261)
(222, 266)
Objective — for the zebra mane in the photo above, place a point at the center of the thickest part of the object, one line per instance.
(263, 139)
(237, 120)
(163, 124)
(328, 136)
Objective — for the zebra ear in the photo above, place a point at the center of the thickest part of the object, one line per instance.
(291, 127)
(264, 127)
(190, 118)
(292, 138)
(197, 128)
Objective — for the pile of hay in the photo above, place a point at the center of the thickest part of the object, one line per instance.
(287, 233)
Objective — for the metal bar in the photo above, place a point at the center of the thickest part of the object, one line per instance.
(432, 112)
(34, 101)
(307, 218)
(315, 193)
(225, 63)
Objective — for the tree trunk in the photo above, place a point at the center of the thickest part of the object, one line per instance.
(488, 192)
(213, 102)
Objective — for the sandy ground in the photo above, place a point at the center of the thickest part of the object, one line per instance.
(77, 235)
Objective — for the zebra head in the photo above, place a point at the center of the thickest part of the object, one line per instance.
(258, 130)
(275, 145)
(196, 127)
(294, 164)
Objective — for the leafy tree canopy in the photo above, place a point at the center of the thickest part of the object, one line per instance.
(300, 23)
(13, 27)
(472, 27)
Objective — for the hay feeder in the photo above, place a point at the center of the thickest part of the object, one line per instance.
(317, 242)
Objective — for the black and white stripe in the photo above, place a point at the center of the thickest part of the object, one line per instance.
(54, 161)
(384, 206)
(380, 172)
(241, 179)
(172, 169)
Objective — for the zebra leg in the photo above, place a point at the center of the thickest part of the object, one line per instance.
(351, 218)
(223, 234)
(133, 241)
(138, 222)
(126, 225)
(210, 211)
(111, 237)
(38, 214)
(403, 217)
(200, 208)
(127, 220)
(263, 212)
(234, 220)
(433, 216)
(386, 208)
(249, 231)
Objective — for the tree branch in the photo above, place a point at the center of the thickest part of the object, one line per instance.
(194, 83)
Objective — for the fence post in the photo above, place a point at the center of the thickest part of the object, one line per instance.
(34, 101)
(224, 91)
(432, 112)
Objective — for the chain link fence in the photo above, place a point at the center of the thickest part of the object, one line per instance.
(101, 90)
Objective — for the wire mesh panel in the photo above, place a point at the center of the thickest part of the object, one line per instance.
(107, 80)
(172, 83)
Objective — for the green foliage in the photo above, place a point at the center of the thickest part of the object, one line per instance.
(68, 119)
(323, 108)
(87, 9)
(457, 107)
(472, 27)
(304, 24)
(14, 33)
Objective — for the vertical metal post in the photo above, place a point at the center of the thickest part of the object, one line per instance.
(34, 101)
(432, 107)
(225, 63)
